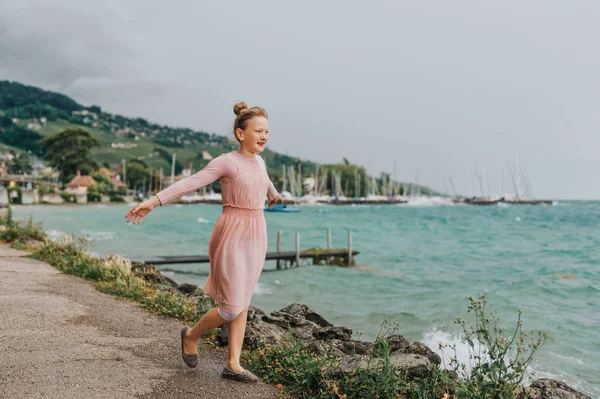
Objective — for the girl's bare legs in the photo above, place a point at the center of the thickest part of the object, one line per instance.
(210, 320)
(237, 330)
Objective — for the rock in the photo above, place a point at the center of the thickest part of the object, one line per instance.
(186, 288)
(397, 342)
(411, 365)
(328, 333)
(305, 312)
(34, 243)
(158, 279)
(357, 347)
(419, 348)
(406, 365)
(318, 348)
(299, 322)
(300, 328)
(223, 335)
(254, 313)
(546, 388)
(260, 332)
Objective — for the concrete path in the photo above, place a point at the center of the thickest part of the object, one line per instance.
(60, 338)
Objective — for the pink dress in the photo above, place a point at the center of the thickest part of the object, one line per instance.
(238, 244)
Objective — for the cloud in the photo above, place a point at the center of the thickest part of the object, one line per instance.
(55, 46)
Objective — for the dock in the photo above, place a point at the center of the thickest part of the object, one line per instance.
(285, 259)
(483, 202)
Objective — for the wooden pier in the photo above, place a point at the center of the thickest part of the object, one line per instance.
(484, 202)
(285, 259)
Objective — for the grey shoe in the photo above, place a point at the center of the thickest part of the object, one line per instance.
(246, 376)
(190, 360)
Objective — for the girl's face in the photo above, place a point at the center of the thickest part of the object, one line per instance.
(254, 138)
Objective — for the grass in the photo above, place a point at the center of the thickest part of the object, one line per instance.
(499, 360)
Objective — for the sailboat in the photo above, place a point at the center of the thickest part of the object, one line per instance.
(281, 208)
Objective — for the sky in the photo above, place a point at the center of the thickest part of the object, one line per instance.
(427, 91)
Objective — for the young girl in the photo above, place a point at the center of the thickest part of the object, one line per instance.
(238, 244)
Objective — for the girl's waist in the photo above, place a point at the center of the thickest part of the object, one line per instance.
(249, 212)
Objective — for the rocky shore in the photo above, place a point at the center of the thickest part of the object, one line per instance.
(301, 323)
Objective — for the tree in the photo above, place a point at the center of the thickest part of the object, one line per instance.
(21, 164)
(69, 151)
(349, 174)
(137, 174)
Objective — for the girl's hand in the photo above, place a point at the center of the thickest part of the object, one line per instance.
(141, 210)
(276, 200)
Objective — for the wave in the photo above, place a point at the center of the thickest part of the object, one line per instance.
(443, 342)
(262, 289)
(56, 235)
(100, 235)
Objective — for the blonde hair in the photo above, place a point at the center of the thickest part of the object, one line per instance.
(244, 114)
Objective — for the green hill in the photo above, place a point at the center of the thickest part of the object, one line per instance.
(22, 108)
(28, 114)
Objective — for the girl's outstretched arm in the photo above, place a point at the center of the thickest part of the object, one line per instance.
(220, 167)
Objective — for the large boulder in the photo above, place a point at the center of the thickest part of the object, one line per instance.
(187, 289)
(546, 388)
(407, 365)
(298, 310)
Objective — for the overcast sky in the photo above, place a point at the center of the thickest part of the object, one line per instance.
(439, 88)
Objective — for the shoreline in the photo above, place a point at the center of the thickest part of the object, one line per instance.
(294, 316)
(320, 202)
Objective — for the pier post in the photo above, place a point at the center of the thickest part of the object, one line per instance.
(297, 249)
(278, 248)
(349, 247)
(328, 243)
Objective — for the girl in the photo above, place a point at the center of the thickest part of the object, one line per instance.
(238, 244)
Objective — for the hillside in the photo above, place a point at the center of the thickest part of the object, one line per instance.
(28, 114)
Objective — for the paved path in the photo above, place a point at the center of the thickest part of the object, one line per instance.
(60, 338)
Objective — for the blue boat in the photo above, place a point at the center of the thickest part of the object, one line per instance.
(280, 208)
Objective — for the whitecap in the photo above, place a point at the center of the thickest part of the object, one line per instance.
(202, 220)
(262, 289)
(56, 235)
(100, 235)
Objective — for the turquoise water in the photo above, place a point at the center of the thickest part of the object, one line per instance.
(416, 266)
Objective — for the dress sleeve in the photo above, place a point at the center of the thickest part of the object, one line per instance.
(220, 167)
(272, 192)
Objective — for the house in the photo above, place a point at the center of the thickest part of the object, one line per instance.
(123, 145)
(79, 183)
(7, 156)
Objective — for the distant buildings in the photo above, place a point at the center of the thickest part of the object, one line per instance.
(123, 145)
(7, 156)
(79, 183)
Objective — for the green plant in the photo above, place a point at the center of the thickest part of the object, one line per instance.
(18, 230)
(68, 197)
(93, 196)
(497, 362)
(17, 198)
(292, 365)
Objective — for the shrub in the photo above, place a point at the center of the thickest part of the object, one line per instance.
(497, 362)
